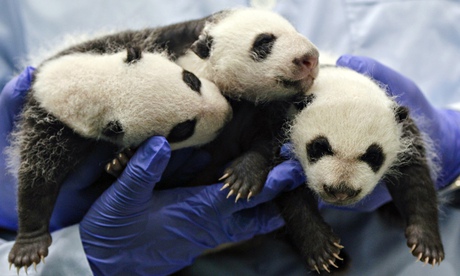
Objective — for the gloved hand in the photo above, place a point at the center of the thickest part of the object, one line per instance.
(133, 230)
(76, 194)
(442, 126)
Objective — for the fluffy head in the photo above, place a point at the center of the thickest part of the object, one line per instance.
(253, 54)
(348, 135)
(127, 97)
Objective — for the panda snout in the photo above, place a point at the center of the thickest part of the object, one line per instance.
(307, 65)
(308, 62)
(340, 194)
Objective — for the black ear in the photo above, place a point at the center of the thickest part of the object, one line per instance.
(133, 54)
(113, 129)
(402, 113)
(202, 47)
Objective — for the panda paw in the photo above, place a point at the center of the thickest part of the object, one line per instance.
(29, 251)
(425, 244)
(119, 163)
(323, 255)
(245, 177)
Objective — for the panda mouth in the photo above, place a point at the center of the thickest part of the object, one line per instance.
(302, 84)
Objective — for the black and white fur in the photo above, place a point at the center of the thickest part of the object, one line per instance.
(81, 99)
(349, 135)
(261, 64)
(283, 63)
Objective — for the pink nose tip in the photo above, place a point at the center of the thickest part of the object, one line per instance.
(307, 61)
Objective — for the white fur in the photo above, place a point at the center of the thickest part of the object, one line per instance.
(352, 112)
(148, 97)
(230, 65)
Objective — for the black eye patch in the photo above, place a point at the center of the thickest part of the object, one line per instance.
(262, 46)
(182, 131)
(318, 148)
(191, 80)
(374, 157)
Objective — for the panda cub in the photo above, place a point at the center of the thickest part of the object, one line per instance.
(261, 64)
(348, 135)
(81, 99)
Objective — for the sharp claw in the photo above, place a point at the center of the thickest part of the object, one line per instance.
(433, 263)
(338, 245)
(17, 270)
(337, 256)
(325, 268)
(230, 193)
(10, 266)
(35, 266)
(333, 264)
(413, 248)
(25, 268)
(224, 176)
(238, 196)
(317, 270)
(419, 257)
(42, 258)
(249, 195)
(440, 260)
(426, 261)
(226, 185)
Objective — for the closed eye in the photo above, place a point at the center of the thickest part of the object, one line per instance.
(262, 46)
(192, 81)
(318, 148)
(374, 157)
(182, 131)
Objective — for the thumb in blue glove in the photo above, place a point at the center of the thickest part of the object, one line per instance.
(132, 229)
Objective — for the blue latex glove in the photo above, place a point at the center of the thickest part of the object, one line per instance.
(441, 125)
(133, 230)
(76, 194)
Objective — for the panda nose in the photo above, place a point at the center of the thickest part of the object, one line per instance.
(340, 192)
(307, 62)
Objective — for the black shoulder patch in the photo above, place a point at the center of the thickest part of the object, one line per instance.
(374, 157)
(113, 129)
(300, 105)
(133, 54)
(192, 81)
(202, 47)
(262, 46)
(318, 148)
(182, 131)
(402, 113)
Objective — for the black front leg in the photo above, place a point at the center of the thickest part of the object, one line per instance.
(413, 193)
(309, 233)
(48, 151)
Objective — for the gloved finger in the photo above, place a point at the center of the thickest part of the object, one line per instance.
(405, 90)
(262, 219)
(144, 170)
(286, 176)
(12, 98)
